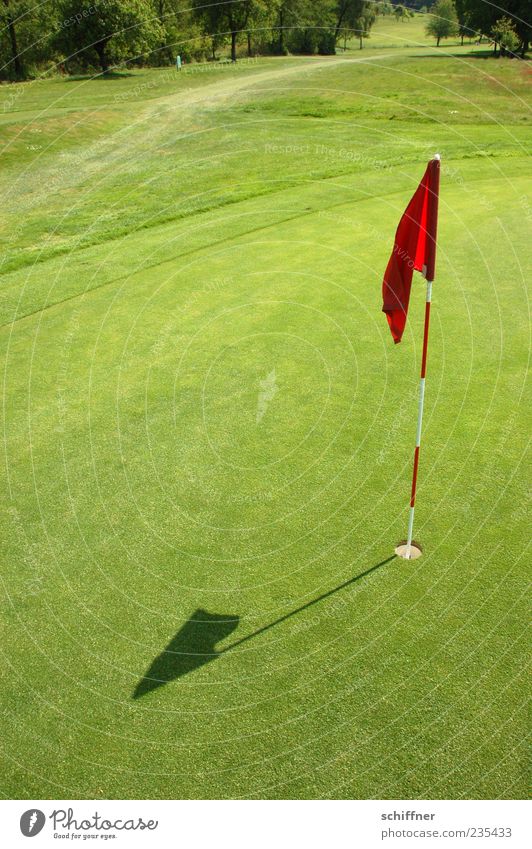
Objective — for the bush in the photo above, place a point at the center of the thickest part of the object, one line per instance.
(326, 43)
(304, 41)
(505, 36)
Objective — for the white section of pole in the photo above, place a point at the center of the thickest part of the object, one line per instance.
(421, 404)
(420, 411)
(410, 532)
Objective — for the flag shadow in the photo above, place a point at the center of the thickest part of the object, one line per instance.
(194, 645)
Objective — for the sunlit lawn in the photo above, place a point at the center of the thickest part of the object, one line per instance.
(207, 427)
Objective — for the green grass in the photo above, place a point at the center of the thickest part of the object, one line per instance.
(173, 248)
(387, 32)
(410, 32)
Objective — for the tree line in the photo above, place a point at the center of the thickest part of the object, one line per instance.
(506, 27)
(79, 35)
(76, 36)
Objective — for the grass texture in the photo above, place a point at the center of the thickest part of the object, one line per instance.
(208, 432)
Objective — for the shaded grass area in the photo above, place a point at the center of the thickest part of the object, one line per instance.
(150, 475)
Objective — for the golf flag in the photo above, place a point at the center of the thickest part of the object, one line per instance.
(413, 250)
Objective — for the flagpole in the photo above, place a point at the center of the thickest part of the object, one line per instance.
(432, 226)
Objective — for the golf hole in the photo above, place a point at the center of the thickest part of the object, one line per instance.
(415, 550)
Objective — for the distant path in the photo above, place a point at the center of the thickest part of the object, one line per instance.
(228, 87)
(153, 123)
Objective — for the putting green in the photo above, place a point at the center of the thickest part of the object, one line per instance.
(208, 439)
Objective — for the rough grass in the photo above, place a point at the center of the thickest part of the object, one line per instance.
(203, 411)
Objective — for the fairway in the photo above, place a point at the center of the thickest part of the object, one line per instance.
(208, 431)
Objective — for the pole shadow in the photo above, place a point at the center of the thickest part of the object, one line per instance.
(194, 645)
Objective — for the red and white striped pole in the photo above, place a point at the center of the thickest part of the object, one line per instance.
(432, 229)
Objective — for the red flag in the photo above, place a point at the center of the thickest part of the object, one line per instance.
(414, 249)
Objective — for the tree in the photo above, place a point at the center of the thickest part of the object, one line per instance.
(218, 40)
(505, 36)
(237, 13)
(289, 13)
(231, 16)
(519, 14)
(443, 22)
(482, 17)
(308, 26)
(210, 18)
(400, 13)
(365, 22)
(347, 14)
(9, 18)
(25, 36)
(260, 19)
(111, 31)
(464, 28)
(180, 32)
(163, 11)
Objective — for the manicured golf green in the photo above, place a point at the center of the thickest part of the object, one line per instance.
(208, 432)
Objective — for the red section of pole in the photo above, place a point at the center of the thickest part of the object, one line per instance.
(432, 217)
(425, 340)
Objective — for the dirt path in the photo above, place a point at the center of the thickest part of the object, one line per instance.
(223, 89)
(153, 123)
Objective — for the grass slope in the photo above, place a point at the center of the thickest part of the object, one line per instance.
(203, 412)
